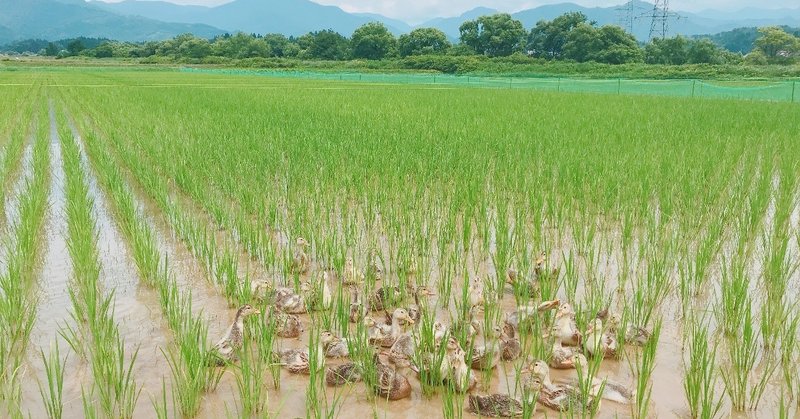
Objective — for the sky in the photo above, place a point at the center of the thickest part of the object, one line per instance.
(417, 11)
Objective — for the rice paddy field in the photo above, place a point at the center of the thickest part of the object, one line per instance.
(141, 209)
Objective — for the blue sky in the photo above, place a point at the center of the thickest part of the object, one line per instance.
(416, 11)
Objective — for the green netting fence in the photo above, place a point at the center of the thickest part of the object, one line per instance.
(777, 91)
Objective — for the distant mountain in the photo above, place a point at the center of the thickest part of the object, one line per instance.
(289, 17)
(450, 25)
(684, 23)
(51, 19)
(741, 39)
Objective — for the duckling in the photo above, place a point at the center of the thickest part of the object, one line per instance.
(288, 301)
(398, 316)
(351, 276)
(421, 295)
(380, 298)
(334, 346)
(510, 347)
(495, 405)
(599, 342)
(390, 384)
(565, 328)
(439, 332)
(612, 390)
(486, 357)
(633, 334)
(286, 325)
(225, 350)
(327, 291)
(343, 374)
(300, 261)
(562, 357)
(475, 321)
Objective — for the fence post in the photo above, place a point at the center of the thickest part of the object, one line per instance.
(694, 82)
(619, 85)
(794, 87)
(509, 82)
(558, 87)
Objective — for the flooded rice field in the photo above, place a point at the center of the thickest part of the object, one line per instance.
(174, 258)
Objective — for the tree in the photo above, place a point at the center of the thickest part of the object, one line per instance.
(278, 44)
(703, 51)
(241, 46)
(373, 42)
(325, 45)
(104, 50)
(423, 41)
(547, 38)
(75, 47)
(607, 44)
(777, 45)
(51, 50)
(495, 35)
(195, 48)
(671, 51)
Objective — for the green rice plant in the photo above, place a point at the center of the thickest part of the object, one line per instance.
(643, 371)
(700, 372)
(251, 384)
(52, 395)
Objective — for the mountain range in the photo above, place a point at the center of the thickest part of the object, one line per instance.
(140, 20)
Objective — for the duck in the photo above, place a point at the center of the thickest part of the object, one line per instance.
(402, 351)
(510, 347)
(475, 321)
(288, 301)
(461, 377)
(495, 405)
(357, 309)
(286, 325)
(390, 384)
(375, 265)
(439, 332)
(475, 293)
(557, 397)
(486, 357)
(351, 276)
(561, 357)
(334, 346)
(399, 315)
(298, 361)
(633, 334)
(327, 292)
(612, 390)
(540, 271)
(530, 286)
(260, 289)
(376, 332)
(420, 306)
(380, 298)
(523, 314)
(599, 342)
(564, 328)
(225, 350)
(300, 260)
(346, 373)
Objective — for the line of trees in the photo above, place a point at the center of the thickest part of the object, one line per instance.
(568, 37)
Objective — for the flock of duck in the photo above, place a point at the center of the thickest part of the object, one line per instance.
(395, 338)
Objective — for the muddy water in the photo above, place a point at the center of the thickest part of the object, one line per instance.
(54, 306)
(136, 306)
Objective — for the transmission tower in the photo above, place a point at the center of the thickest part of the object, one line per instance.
(625, 15)
(659, 25)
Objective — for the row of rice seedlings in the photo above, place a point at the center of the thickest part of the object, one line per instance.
(12, 150)
(115, 389)
(189, 359)
(22, 246)
(700, 371)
